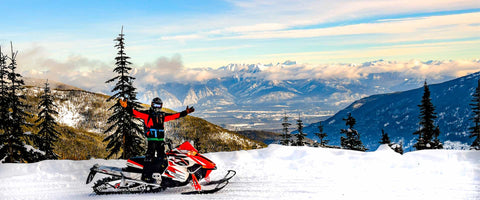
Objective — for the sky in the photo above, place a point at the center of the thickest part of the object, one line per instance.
(75, 38)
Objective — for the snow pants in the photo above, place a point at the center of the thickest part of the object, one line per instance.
(154, 163)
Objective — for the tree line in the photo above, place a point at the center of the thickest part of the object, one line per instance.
(19, 146)
(16, 145)
(427, 133)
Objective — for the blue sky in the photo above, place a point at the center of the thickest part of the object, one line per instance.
(78, 35)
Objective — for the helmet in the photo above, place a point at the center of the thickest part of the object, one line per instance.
(157, 104)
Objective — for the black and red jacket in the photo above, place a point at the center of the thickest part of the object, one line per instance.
(154, 122)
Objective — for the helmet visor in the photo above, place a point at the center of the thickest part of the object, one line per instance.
(157, 105)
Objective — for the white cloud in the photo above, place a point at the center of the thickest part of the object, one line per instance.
(289, 19)
(92, 74)
(74, 70)
(434, 27)
(412, 68)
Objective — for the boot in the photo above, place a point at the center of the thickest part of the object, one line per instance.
(148, 169)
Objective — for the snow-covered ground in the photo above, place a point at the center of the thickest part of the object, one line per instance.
(279, 172)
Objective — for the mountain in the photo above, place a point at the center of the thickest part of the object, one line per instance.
(83, 115)
(398, 114)
(263, 136)
(36, 82)
(256, 96)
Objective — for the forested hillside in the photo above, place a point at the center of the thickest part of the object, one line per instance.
(82, 120)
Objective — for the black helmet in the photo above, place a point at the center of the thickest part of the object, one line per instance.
(157, 104)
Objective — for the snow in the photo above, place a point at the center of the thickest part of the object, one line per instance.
(279, 172)
(31, 148)
(67, 115)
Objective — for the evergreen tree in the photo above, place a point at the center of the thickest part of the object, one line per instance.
(286, 135)
(300, 135)
(385, 138)
(436, 143)
(14, 148)
(352, 140)
(475, 130)
(321, 135)
(428, 131)
(397, 147)
(126, 132)
(4, 112)
(48, 133)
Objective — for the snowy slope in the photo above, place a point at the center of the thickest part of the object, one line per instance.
(397, 113)
(279, 172)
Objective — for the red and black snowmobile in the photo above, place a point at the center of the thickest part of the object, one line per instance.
(185, 165)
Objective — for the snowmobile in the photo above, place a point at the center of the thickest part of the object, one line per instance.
(185, 165)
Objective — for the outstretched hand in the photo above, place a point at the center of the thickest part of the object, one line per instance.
(190, 109)
(123, 103)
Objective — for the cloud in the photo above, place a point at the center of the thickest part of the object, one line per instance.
(75, 70)
(412, 68)
(91, 74)
(292, 19)
(437, 27)
(165, 70)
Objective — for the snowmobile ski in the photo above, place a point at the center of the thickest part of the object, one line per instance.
(227, 177)
(220, 184)
(218, 187)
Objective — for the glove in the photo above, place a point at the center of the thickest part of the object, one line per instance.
(190, 109)
(123, 103)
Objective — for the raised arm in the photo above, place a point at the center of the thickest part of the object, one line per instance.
(136, 113)
(184, 113)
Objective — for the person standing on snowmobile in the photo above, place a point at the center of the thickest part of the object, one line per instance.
(154, 129)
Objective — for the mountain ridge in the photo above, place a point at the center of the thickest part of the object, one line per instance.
(398, 114)
(244, 92)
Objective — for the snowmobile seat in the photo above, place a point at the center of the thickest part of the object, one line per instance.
(136, 162)
(139, 162)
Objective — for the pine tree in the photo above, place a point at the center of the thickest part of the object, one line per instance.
(286, 135)
(14, 148)
(428, 131)
(352, 140)
(300, 135)
(126, 132)
(397, 147)
(4, 112)
(321, 135)
(436, 143)
(4, 108)
(385, 138)
(48, 133)
(475, 130)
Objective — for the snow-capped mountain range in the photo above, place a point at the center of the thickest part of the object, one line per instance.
(256, 96)
(398, 114)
